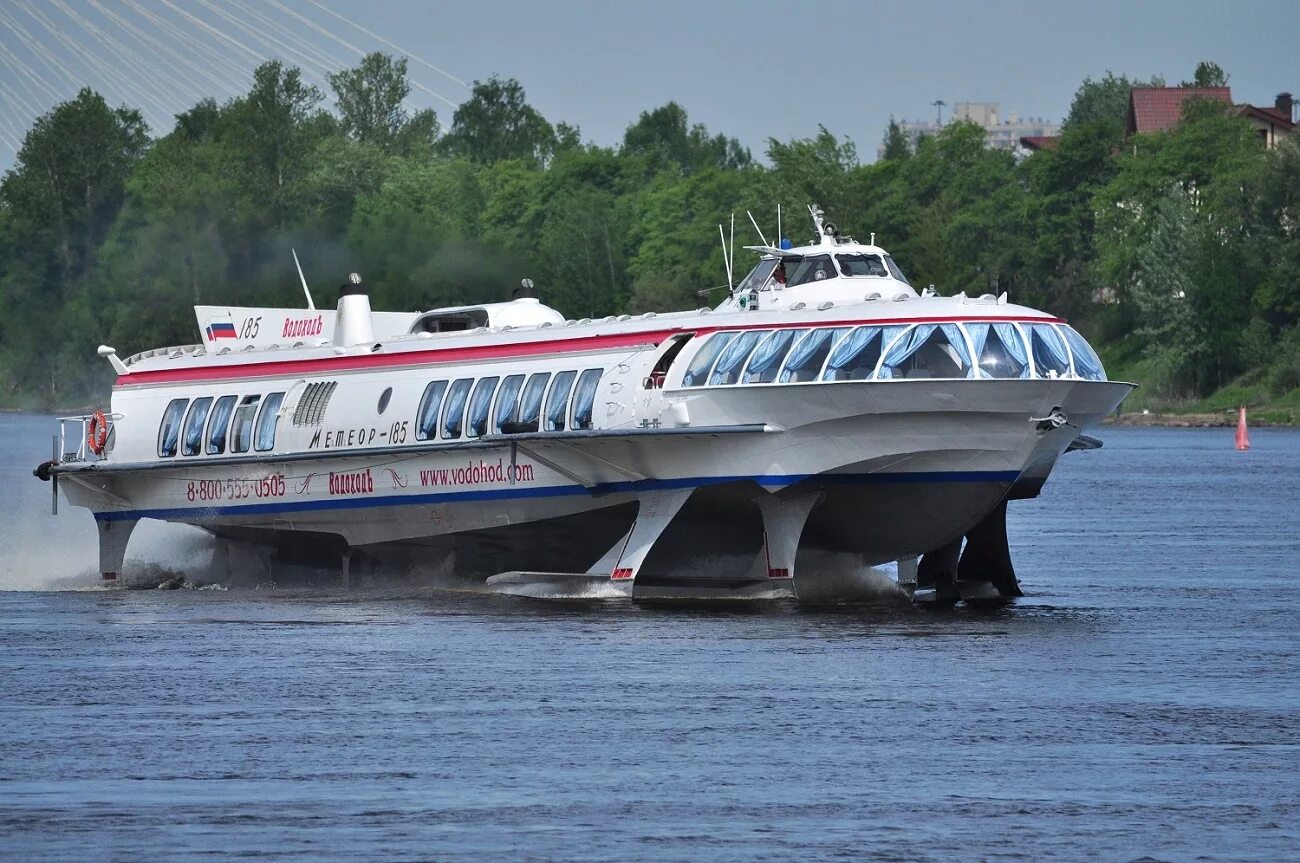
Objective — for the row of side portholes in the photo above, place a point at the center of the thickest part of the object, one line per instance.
(993, 349)
(466, 408)
(207, 425)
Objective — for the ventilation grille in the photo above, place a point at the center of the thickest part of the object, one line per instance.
(311, 407)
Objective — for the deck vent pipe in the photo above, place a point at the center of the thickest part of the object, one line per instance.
(352, 322)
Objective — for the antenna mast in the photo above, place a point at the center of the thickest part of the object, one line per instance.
(303, 279)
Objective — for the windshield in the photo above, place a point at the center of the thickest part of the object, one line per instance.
(895, 271)
(861, 265)
(757, 278)
(812, 269)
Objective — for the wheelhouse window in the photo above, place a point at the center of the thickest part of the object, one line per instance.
(1000, 349)
(1051, 356)
(241, 436)
(557, 402)
(758, 278)
(809, 354)
(768, 356)
(268, 418)
(453, 414)
(219, 425)
(895, 270)
(861, 265)
(170, 429)
(479, 405)
(814, 268)
(426, 419)
(698, 371)
(192, 440)
(727, 371)
(507, 403)
(584, 398)
(856, 355)
(926, 351)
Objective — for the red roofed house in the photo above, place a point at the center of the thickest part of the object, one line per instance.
(1034, 143)
(1158, 109)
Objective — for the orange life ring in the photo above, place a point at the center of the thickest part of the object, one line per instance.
(97, 433)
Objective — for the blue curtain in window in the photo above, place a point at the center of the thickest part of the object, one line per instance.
(902, 350)
(508, 400)
(429, 404)
(531, 408)
(1049, 349)
(220, 421)
(266, 423)
(735, 354)
(848, 349)
(171, 427)
(953, 333)
(585, 398)
(194, 425)
(979, 337)
(455, 413)
(1010, 338)
(558, 402)
(700, 364)
(479, 404)
(812, 344)
(771, 350)
(1086, 362)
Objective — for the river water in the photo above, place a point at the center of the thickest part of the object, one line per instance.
(1141, 703)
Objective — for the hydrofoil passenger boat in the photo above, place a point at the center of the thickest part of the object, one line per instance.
(823, 406)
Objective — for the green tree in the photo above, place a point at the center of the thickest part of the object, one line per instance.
(664, 136)
(895, 145)
(1207, 75)
(370, 102)
(1105, 101)
(497, 123)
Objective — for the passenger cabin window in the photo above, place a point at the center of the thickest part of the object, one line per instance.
(584, 398)
(426, 419)
(768, 356)
(480, 403)
(557, 402)
(1051, 357)
(1086, 362)
(809, 354)
(507, 403)
(453, 414)
(811, 269)
(926, 351)
(170, 428)
(219, 425)
(530, 406)
(268, 418)
(1000, 348)
(192, 440)
(861, 265)
(727, 371)
(241, 436)
(856, 356)
(698, 371)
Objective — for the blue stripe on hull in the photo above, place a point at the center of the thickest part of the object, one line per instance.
(556, 491)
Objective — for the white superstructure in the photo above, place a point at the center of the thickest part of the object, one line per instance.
(824, 405)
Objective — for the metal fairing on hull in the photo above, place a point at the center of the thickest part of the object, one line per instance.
(823, 407)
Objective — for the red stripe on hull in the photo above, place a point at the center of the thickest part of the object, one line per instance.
(471, 353)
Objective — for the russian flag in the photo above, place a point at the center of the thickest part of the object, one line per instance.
(224, 330)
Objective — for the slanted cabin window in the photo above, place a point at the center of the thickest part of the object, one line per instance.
(856, 355)
(727, 371)
(219, 425)
(895, 270)
(268, 418)
(1000, 349)
(805, 360)
(1051, 356)
(758, 278)
(170, 428)
(925, 351)
(453, 414)
(811, 269)
(241, 435)
(479, 405)
(192, 440)
(426, 419)
(584, 398)
(1086, 362)
(861, 265)
(530, 406)
(507, 403)
(768, 356)
(557, 402)
(698, 371)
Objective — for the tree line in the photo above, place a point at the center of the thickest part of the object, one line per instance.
(1177, 252)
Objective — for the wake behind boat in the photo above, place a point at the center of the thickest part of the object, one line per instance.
(824, 406)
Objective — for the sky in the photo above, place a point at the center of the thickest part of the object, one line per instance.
(752, 70)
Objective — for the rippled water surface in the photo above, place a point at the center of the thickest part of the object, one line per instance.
(1142, 702)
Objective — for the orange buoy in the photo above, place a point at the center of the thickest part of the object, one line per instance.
(97, 433)
(1243, 438)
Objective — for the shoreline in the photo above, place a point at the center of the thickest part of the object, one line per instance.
(1189, 420)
